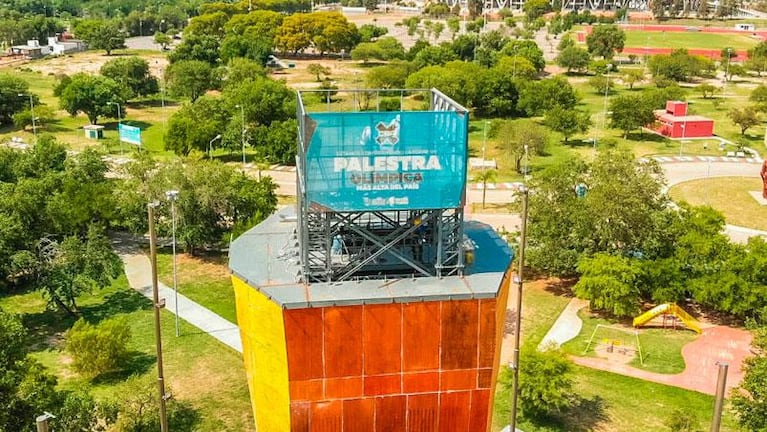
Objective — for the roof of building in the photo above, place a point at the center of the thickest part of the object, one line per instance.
(266, 257)
(663, 115)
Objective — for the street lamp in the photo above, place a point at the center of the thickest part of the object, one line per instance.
(119, 122)
(681, 141)
(242, 119)
(607, 91)
(727, 73)
(210, 146)
(172, 195)
(527, 161)
(158, 304)
(517, 330)
(484, 144)
(32, 111)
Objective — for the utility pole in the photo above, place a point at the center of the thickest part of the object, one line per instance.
(721, 382)
(157, 307)
(518, 328)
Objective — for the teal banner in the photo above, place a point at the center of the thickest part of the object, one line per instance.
(386, 160)
(129, 134)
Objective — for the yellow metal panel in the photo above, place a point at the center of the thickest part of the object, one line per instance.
(265, 355)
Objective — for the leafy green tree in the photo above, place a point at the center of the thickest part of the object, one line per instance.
(317, 69)
(76, 266)
(484, 176)
(251, 46)
(750, 398)
(239, 70)
(433, 56)
(516, 67)
(133, 73)
(457, 79)
(10, 101)
(682, 421)
(137, 408)
(100, 348)
(392, 75)
(536, 8)
(162, 39)
(93, 95)
(679, 65)
(745, 118)
(43, 114)
(545, 383)
(601, 84)
(632, 76)
(276, 143)
(573, 58)
(107, 36)
(605, 40)
(454, 26)
(631, 112)
(201, 48)
(527, 49)
(264, 100)
(194, 125)
(209, 24)
(759, 95)
(369, 32)
(567, 121)
(537, 97)
(610, 283)
(520, 139)
(190, 78)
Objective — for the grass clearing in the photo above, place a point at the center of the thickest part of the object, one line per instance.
(690, 40)
(729, 195)
(198, 368)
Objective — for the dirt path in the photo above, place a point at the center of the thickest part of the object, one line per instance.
(716, 344)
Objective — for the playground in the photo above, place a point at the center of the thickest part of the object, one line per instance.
(665, 345)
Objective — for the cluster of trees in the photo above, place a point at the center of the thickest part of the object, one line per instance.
(629, 245)
(665, 9)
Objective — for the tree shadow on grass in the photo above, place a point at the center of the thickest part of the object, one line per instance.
(583, 415)
(120, 302)
(138, 363)
(645, 136)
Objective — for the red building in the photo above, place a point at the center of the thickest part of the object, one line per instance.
(674, 122)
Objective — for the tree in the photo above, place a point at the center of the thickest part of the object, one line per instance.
(202, 48)
(195, 124)
(133, 73)
(76, 266)
(189, 78)
(522, 139)
(276, 143)
(750, 398)
(535, 9)
(137, 408)
(745, 118)
(264, 100)
(567, 121)
(682, 421)
(97, 349)
(251, 45)
(630, 112)
(392, 75)
(610, 283)
(735, 70)
(545, 383)
(95, 96)
(573, 58)
(433, 56)
(370, 32)
(107, 37)
(484, 176)
(454, 26)
(631, 77)
(207, 24)
(527, 49)
(703, 11)
(601, 84)
(10, 101)
(605, 40)
(537, 97)
(707, 90)
(239, 70)
(162, 39)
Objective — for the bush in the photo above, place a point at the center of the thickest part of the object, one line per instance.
(545, 385)
(682, 421)
(100, 348)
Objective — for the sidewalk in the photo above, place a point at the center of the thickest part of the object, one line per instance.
(139, 272)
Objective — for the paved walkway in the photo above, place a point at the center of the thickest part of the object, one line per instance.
(566, 327)
(139, 272)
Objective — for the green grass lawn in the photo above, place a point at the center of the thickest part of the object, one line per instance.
(203, 279)
(662, 348)
(729, 195)
(198, 369)
(690, 40)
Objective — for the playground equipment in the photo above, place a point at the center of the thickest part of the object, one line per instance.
(616, 340)
(669, 310)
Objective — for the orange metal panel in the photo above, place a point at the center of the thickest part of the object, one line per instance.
(299, 416)
(343, 341)
(459, 334)
(382, 338)
(309, 390)
(455, 409)
(327, 417)
(486, 332)
(359, 415)
(480, 411)
(421, 336)
(303, 334)
(343, 388)
(465, 379)
(422, 413)
(485, 378)
(420, 382)
(500, 318)
(377, 385)
(390, 413)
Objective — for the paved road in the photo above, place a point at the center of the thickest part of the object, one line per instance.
(139, 272)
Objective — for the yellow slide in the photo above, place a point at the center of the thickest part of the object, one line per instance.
(669, 308)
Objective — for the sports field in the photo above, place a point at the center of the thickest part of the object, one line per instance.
(689, 39)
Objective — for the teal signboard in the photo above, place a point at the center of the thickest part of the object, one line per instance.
(130, 134)
(386, 160)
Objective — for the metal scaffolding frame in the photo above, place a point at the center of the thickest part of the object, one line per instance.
(338, 246)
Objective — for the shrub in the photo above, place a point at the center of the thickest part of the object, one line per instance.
(100, 348)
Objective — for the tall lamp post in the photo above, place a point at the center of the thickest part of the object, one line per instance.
(607, 92)
(517, 330)
(242, 132)
(484, 144)
(727, 73)
(172, 195)
(119, 121)
(210, 145)
(32, 111)
(157, 306)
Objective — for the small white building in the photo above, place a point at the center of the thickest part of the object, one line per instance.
(65, 46)
(31, 50)
(745, 27)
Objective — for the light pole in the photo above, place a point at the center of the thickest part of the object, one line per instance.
(157, 306)
(517, 330)
(726, 74)
(607, 91)
(210, 146)
(484, 144)
(172, 195)
(32, 111)
(527, 161)
(242, 119)
(681, 142)
(119, 123)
